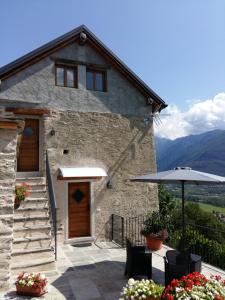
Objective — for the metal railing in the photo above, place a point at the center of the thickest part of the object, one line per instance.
(52, 201)
(117, 229)
(133, 227)
(207, 242)
(123, 228)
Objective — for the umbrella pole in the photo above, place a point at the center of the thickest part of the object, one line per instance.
(183, 221)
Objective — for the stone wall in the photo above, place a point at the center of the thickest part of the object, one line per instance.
(121, 145)
(8, 147)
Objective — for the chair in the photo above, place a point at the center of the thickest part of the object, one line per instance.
(196, 263)
(176, 265)
(175, 256)
(139, 262)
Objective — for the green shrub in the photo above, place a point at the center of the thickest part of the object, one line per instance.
(211, 251)
(155, 224)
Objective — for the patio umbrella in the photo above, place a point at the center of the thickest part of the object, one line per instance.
(184, 176)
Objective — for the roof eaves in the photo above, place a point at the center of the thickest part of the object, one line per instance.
(40, 50)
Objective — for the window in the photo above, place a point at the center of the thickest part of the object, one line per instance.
(66, 75)
(96, 80)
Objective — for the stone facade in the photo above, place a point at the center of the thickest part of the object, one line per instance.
(8, 148)
(121, 145)
(100, 129)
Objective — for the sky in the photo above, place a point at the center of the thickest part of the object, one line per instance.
(177, 47)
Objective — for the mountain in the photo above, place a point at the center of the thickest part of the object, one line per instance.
(204, 152)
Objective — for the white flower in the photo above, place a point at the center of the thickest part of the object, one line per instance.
(42, 276)
(131, 281)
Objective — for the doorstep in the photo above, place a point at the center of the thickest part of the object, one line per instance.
(81, 240)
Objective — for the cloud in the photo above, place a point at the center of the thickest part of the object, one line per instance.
(200, 117)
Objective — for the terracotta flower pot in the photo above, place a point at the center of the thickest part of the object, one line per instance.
(218, 298)
(16, 203)
(30, 291)
(153, 243)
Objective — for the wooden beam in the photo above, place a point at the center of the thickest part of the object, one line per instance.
(28, 111)
(10, 124)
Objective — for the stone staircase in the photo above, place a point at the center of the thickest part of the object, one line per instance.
(32, 243)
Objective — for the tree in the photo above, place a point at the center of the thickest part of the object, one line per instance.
(166, 202)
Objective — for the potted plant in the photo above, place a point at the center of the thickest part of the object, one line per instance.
(21, 192)
(142, 289)
(155, 230)
(31, 284)
(195, 286)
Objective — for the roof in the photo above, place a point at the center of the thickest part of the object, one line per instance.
(62, 41)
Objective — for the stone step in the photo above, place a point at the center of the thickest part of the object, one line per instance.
(31, 180)
(35, 265)
(26, 258)
(32, 231)
(40, 193)
(35, 187)
(29, 174)
(30, 220)
(31, 242)
(34, 203)
(30, 253)
(31, 211)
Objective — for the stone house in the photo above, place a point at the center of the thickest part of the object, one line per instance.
(86, 108)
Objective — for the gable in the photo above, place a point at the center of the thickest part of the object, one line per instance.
(35, 86)
(78, 35)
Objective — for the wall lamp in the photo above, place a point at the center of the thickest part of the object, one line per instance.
(52, 132)
(109, 185)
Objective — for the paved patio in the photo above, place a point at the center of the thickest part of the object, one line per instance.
(94, 272)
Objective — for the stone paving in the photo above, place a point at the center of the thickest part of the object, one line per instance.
(94, 272)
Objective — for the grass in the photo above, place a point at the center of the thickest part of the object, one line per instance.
(211, 208)
(204, 206)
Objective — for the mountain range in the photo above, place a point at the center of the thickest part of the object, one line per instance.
(203, 152)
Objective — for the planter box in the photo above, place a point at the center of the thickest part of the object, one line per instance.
(30, 291)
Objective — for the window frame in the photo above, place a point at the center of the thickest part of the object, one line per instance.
(65, 67)
(104, 78)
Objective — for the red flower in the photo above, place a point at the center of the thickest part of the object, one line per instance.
(187, 283)
(174, 283)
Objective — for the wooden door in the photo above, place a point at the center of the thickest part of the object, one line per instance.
(28, 159)
(79, 209)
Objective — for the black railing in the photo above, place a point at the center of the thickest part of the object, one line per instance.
(123, 228)
(52, 201)
(207, 242)
(133, 227)
(117, 229)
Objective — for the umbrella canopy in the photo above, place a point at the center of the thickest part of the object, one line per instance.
(180, 174)
(184, 176)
